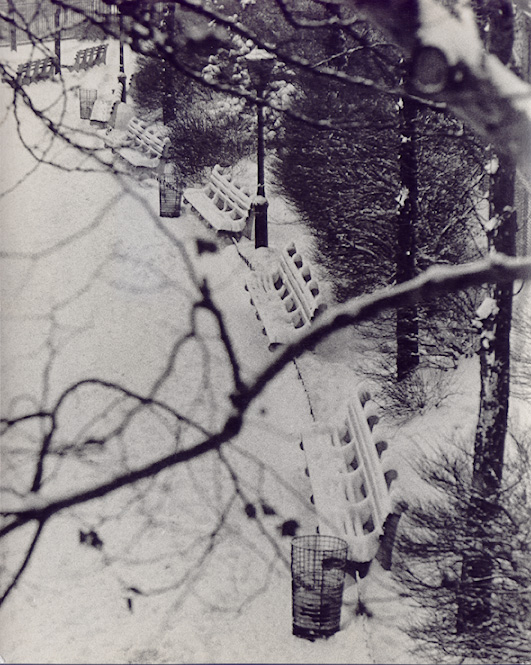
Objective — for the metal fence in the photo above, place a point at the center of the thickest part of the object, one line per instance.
(22, 21)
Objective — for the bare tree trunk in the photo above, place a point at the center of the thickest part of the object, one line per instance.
(474, 600)
(491, 431)
(168, 106)
(122, 77)
(57, 39)
(12, 28)
(407, 327)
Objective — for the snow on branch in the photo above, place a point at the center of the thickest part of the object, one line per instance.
(449, 64)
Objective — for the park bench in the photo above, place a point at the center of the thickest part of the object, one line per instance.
(351, 481)
(36, 70)
(286, 296)
(89, 57)
(139, 144)
(221, 203)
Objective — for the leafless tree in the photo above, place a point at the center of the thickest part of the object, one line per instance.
(48, 434)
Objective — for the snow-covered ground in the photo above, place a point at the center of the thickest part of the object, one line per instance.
(96, 285)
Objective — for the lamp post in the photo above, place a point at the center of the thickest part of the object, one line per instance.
(260, 64)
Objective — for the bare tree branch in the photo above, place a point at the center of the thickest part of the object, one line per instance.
(437, 279)
(24, 564)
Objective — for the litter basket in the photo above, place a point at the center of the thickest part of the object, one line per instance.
(170, 191)
(317, 579)
(87, 99)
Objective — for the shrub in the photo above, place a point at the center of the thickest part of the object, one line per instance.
(199, 142)
(425, 388)
(436, 535)
(205, 127)
(345, 182)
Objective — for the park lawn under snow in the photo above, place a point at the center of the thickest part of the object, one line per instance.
(94, 284)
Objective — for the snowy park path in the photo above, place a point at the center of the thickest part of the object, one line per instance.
(92, 288)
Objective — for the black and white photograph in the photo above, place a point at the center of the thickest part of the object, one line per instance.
(265, 332)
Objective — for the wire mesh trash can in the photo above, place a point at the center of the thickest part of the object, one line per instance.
(170, 191)
(87, 99)
(317, 579)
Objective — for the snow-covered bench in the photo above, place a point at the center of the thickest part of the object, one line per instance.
(105, 105)
(222, 203)
(89, 57)
(140, 145)
(351, 480)
(116, 132)
(36, 70)
(286, 296)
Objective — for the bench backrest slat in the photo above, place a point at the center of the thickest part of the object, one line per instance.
(23, 73)
(35, 70)
(147, 139)
(301, 281)
(359, 432)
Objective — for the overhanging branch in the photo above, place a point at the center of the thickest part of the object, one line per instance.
(436, 280)
(449, 64)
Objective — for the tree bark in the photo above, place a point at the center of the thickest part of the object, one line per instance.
(57, 39)
(168, 106)
(12, 27)
(474, 606)
(407, 327)
(473, 86)
(474, 599)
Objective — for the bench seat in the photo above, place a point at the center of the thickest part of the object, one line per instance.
(221, 220)
(282, 322)
(140, 159)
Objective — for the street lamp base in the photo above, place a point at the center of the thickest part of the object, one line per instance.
(260, 225)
